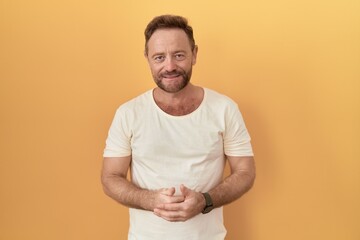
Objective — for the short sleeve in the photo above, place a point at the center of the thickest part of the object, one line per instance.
(236, 136)
(119, 136)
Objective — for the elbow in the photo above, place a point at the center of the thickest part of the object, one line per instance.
(252, 178)
(252, 174)
(249, 179)
(105, 184)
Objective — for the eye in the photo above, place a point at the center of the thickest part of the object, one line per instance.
(180, 56)
(159, 58)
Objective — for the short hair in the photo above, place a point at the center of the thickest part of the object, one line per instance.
(169, 21)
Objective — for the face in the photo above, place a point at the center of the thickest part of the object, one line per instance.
(171, 59)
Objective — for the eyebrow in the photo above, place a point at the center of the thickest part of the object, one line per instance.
(162, 53)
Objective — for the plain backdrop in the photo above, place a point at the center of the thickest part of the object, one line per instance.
(292, 66)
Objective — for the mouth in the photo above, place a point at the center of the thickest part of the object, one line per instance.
(171, 76)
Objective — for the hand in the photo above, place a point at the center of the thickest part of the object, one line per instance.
(192, 205)
(164, 196)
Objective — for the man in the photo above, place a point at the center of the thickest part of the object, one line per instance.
(176, 139)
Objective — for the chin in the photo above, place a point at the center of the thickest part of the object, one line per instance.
(173, 88)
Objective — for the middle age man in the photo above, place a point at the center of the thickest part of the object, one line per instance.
(175, 138)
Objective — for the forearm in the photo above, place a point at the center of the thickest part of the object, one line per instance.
(240, 180)
(232, 188)
(126, 193)
(117, 187)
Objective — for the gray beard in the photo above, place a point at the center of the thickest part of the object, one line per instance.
(176, 87)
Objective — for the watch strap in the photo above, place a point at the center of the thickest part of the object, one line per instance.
(208, 203)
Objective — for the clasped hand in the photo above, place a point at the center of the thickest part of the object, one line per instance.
(178, 208)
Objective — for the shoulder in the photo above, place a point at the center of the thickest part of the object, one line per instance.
(137, 103)
(135, 107)
(215, 98)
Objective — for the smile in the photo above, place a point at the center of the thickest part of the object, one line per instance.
(171, 76)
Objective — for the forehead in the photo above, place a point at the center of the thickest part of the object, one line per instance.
(169, 39)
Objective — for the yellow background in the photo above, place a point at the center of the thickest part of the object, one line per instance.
(293, 67)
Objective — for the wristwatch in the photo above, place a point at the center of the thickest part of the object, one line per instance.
(208, 203)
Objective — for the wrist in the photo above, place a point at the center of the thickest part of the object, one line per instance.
(208, 203)
(147, 199)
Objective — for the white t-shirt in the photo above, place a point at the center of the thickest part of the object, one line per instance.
(171, 150)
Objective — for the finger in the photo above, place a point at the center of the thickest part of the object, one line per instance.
(169, 200)
(171, 207)
(184, 190)
(168, 191)
(174, 199)
(172, 216)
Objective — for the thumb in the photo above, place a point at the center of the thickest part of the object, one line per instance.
(184, 190)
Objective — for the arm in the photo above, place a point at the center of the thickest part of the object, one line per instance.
(231, 188)
(237, 183)
(117, 187)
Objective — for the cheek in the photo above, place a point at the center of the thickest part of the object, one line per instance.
(154, 69)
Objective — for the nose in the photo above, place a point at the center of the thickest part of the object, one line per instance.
(170, 64)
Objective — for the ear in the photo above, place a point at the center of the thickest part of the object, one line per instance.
(146, 57)
(145, 54)
(194, 54)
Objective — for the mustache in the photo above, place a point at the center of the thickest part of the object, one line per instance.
(172, 73)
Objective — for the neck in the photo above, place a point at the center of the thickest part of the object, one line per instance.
(184, 93)
(181, 103)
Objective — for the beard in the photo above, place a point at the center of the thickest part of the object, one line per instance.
(176, 85)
